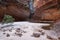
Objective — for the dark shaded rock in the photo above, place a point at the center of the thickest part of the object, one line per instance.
(36, 34)
(19, 34)
(42, 33)
(49, 37)
(8, 35)
(18, 30)
(47, 27)
(39, 30)
(10, 30)
(4, 33)
(24, 31)
(59, 38)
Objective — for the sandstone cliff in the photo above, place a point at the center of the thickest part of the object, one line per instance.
(45, 10)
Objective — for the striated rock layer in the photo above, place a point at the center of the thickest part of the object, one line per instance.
(45, 10)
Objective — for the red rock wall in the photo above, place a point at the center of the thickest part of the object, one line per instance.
(43, 10)
(47, 11)
(14, 9)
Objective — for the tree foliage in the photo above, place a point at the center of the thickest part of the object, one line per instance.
(8, 19)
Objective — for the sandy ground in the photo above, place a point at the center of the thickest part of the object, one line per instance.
(26, 31)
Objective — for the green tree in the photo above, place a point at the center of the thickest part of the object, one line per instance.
(8, 19)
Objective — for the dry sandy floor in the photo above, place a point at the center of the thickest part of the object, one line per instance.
(26, 31)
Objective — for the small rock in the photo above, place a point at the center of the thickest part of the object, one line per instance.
(24, 31)
(49, 37)
(47, 27)
(59, 38)
(18, 30)
(10, 30)
(39, 30)
(42, 33)
(4, 33)
(8, 35)
(19, 34)
(36, 34)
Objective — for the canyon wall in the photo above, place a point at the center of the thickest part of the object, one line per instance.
(45, 10)
(15, 9)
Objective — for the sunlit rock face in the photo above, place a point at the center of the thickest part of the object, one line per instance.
(48, 15)
(46, 10)
(39, 3)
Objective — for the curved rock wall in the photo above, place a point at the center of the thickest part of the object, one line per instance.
(44, 10)
(13, 8)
